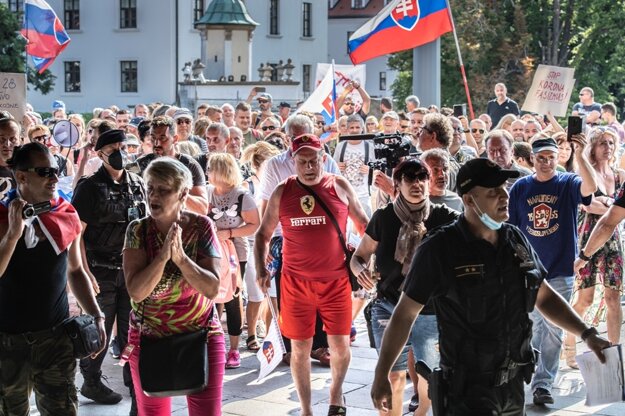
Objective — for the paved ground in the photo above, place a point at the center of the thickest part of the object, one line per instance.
(276, 396)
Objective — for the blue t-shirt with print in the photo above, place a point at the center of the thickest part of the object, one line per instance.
(546, 212)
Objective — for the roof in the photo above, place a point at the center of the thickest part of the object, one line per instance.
(343, 9)
(228, 13)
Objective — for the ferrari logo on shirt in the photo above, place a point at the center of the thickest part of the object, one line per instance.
(307, 203)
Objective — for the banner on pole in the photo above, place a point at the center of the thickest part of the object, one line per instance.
(550, 91)
(13, 94)
(343, 75)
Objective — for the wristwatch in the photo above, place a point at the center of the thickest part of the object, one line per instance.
(99, 316)
(583, 256)
(588, 332)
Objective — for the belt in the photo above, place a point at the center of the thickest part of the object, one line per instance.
(33, 337)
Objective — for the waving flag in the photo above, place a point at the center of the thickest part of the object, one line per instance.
(401, 25)
(44, 32)
(323, 99)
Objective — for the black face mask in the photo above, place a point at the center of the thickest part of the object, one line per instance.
(117, 159)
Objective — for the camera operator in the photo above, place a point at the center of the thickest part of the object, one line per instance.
(107, 202)
(38, 257)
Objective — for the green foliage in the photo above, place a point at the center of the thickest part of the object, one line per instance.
(12, 52)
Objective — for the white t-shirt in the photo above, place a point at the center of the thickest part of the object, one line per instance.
(354, 158)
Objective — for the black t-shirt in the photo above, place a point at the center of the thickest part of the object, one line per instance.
(384, 228)
(496, 111)
(478, 292)
(33, 292)
(199, 179)
(7, 181)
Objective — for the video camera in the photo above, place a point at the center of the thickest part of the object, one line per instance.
(388, 149)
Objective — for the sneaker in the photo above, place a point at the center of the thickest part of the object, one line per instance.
(233, 359)
(352, 335)
(335, 410)
(322, 355)
(115, 349)
(261, 331)
(542, 397)
(99, 393)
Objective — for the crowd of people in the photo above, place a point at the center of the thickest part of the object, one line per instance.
(180, 216)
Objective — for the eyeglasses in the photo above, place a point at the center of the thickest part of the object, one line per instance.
(183, 121)
(545, 160)
(412, 177)
(270, 128)
(5, 140)
(350, 104)
(43, 172)
(481, 131)
(40, 139)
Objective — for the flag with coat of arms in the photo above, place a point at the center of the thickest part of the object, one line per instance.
(272, 350)
(323, 99)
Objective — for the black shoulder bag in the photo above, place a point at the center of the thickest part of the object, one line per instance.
(176, 365)
(353, 280)
(83, 331)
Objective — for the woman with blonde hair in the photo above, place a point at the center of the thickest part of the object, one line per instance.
(505, 122)
(605, 268)
(236, 217)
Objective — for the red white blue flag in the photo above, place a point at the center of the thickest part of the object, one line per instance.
(44, 32)
(323, 99)
(401, 25)
(272, 350)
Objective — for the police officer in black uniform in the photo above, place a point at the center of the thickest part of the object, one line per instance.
(106, 202)
(483, 279)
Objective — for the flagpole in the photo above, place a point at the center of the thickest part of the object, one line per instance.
(464, 75)
(25, 46)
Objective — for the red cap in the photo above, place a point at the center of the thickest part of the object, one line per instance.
(305, 140)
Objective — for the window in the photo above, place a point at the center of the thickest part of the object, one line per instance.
(307, 20)
(72, 14)
(349, 35)
(198, 10)
(382, 81)
(127, 14)
(274, 18)
(16, 6)
(72, 76)
(359, 4)
(306, 78)
(129, 76)
(332, 3)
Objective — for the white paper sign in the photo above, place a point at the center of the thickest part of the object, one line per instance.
(13, 94)
(604, 382)
(550, 91)
(343, 75)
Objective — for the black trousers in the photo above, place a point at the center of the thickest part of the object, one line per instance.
(115, 303)
(234, 319)
(480, 400)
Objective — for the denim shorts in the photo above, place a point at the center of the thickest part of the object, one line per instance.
(423, 337)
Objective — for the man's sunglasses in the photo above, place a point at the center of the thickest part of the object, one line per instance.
(265, 128)
(43, 172)
(183, 121)
(412, 177)
(482, 131)
(40, 139)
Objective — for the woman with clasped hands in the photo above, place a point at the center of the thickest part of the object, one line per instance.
(171, 261)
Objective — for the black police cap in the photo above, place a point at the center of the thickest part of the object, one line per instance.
(482, 172)
(110, 137)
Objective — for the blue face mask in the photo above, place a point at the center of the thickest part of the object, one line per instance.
(486, 219)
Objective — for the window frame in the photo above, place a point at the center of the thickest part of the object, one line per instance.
(128, 14)
(274, 17)
(199, 7)
(123, 75)
(71, 76)
(70, 15)
(307, 20)
(382, 81)
(306, 78)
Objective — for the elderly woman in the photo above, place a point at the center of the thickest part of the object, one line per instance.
(393, 235)
(236, 216)
(171, 262)
(605, 267)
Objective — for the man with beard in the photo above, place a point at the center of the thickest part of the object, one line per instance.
(164, 138)
(438, 161)
(265, 102)
(122, 119)
(269, 125)
(107, 202)
(184, 128)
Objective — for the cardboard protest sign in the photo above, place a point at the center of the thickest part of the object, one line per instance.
(550, 91)
(13, 94)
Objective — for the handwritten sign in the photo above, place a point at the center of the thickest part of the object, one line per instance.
(13, 94)
(550, 91)
(343, 75)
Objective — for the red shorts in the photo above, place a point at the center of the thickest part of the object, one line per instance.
(301, 299)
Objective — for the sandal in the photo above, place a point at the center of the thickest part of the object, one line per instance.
(569, 354)
(335, 410)
(252, 343)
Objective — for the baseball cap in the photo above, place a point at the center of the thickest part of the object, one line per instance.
(544, 144)
(58, 105)
(110, 137)
(264, 96)
(285, 104)
(482, 172)
(134, 122)
(391, 114)
(132, 140)
(182, 112)
(309, 141)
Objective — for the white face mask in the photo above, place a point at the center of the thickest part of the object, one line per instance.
(485, 218)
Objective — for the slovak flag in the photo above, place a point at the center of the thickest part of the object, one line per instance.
(323, 99)
(272, 350)
(44, 32)
(401, 25)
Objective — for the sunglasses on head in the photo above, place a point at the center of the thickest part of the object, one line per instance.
(43, 172)
(183, 121)
(265, 128)
(412, 177)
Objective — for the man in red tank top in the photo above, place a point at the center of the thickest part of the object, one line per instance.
(314, 273)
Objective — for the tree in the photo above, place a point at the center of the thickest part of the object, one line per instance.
(12, 52)
(402, 86)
